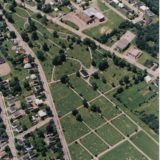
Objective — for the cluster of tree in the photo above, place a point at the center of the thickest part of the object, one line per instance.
(148, 39)
(15, 86)
(153, 5)
(12, 6)
(95, 108)
(77, 115)
(3, 134)
(90, 43)
(59, 59)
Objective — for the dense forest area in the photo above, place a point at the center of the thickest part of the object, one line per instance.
(153, 5)
(147, 39)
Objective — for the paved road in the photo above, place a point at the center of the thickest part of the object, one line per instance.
(82, 35)
(48, 93)
(9, 131)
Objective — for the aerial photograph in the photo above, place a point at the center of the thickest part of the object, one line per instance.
(79, 79)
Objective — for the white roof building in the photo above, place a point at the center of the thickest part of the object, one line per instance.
(144, 8)
(148, 78)
(42, 113)
(33, 76)
(38, 102)
(121, 5)
(115, 1)
(27, 66)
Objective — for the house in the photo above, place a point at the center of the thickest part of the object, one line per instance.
(42, 114)
(148, 78)
(38, 102)
(134, 53)
(84, 73)
(143, 8)
(18, 114)
(84, 17)
(125, 40)
(115, 1)
(33, 76)
(27, 66)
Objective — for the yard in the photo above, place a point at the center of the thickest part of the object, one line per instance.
(146, 144)
(65, 99)
(94, 144)
(78, 153)
(107, 109)
(109, 134)
(83, 88)
(124, 125)
(124, 151)
(72, 128)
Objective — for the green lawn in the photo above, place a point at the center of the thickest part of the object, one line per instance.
(94, 144)
(65, 99)
(124, 125)
(92, 119)
(124, 151)
(108, 110)
(22, 12)
(109, 134)
(26, 122)
(81, 53)
(147, 145)
(68, 67)
(83, 88)
(137, 95)
(72, 128)
(102, 6)
(79, 153)
(71, 24)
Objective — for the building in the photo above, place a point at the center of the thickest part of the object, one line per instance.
(143, 8)
(125, 40)
(148, 78)
(84, 17)
(134, 53)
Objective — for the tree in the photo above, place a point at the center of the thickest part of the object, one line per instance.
(59, 59)
(64, 79)
(9, 17)
(94, 85)
(45, 47)
(95, 108)
(34, 35)
(13, 35)
(74, 112)
(126, 79)
(85, 103)
(25, 36)
(103, 65)
(27, 85)
(79, 118)
(40, 55)
(90, 43)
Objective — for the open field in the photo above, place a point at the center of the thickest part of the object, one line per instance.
(124, 125)
(81, 53)
(108, 110)
(73, 129)
(146, 145)
(124, 151)
(102, 6)
(68, 67)
(91, 118)
(137, 95)
(109, 134)
(94, 144)
(65, 99)
(78, 153)
(83, 88)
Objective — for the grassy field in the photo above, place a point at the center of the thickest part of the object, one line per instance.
(68, 67)
(108, 110)
(94, 144)
(113, 20)
(83, 88)
(137, 95)
(124, 125)
(124, 151)
(65, 99)
(72, 128)
(81, 53)
(78, 153)
(109, 134)
(91, 118)
(102, 6)
(71, 24)
(146, 144)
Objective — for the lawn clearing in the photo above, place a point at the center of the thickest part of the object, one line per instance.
(94, 144)
(65, 99)
(107, 109)
(124, 125)
(146, 144)
(91, 118)
(80, 53)
(78, 152)
(83, 88)
(72, 128)
(102, 6)
(124, 151)
(68, 67)
(109, 134)
(137, 95)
